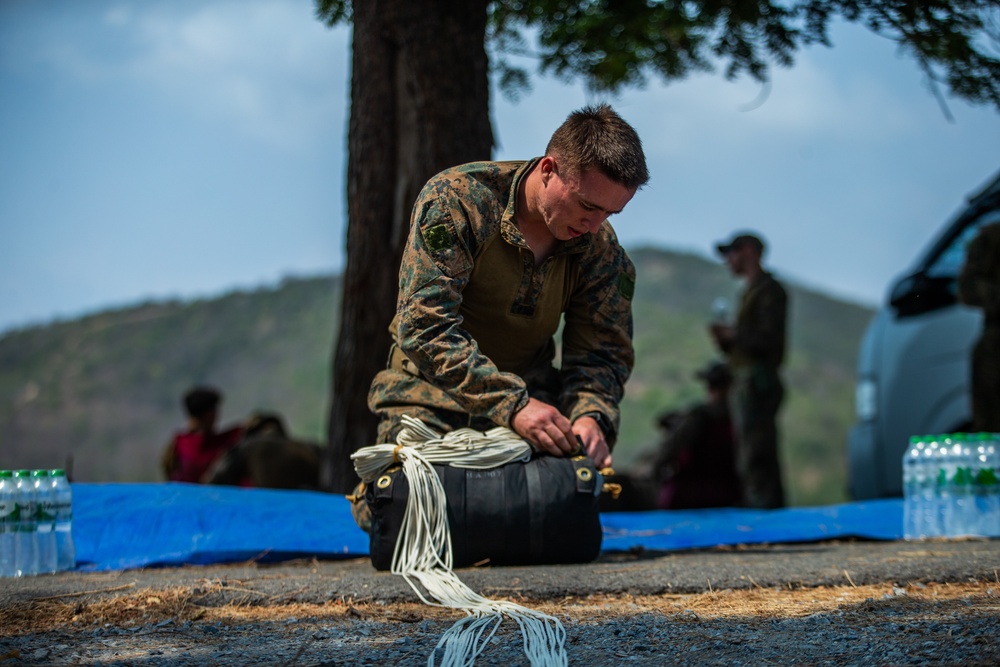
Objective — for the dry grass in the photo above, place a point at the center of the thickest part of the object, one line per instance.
(772, 603)
(126, 608)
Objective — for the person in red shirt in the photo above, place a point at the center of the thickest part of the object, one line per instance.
(192, 452)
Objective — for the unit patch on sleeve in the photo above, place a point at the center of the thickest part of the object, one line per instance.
(626, 286)
(438, 237)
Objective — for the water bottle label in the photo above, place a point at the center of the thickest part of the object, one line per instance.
(46, 511)
(63, 510)
(7, 509)
(986, 477)
(23, 514)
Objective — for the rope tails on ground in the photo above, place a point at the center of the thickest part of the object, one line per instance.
(423, 551)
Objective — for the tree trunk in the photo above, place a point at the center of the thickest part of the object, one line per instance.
(419, 104)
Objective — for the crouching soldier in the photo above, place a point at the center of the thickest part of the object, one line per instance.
(268, 458)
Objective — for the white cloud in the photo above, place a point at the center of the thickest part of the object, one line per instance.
(263, 68)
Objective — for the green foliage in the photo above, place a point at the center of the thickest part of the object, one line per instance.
(105, 389)
(332, 12)
(614, 45)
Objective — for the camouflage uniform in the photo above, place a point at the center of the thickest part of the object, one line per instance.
(979, 285)
(476, 319)
(755, 355)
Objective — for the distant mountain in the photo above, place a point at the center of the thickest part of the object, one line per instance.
(105, 389)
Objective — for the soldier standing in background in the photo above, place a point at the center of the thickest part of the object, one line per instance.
(979, 286)
(755, 349)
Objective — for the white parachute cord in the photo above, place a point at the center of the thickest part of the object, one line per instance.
(423, 551)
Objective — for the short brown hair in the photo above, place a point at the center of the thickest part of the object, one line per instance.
(201, 400)
(596, 137)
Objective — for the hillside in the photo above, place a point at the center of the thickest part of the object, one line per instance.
(105, 389)
(672, 306)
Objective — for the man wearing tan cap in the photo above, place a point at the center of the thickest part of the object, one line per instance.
(755, 349)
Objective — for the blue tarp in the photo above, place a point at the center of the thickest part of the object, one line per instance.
(122, 526)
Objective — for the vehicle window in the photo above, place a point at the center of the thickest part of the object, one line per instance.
(949, 262)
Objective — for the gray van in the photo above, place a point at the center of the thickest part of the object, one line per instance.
(913, 366)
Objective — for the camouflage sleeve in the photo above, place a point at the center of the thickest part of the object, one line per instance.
(597, 354)
(436, 264)
(979, 280)
(762, 334)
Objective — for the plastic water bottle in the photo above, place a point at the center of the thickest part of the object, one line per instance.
(45, 520)
(952, 494)
(986, 486)
(63, 495)
(934, 455)
(944, 462)
(8, 505)
(962, 519)
(913, 491)
(720, 310)
(978, 470)
(25, 533)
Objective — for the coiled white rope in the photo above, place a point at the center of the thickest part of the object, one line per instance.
(423, 550)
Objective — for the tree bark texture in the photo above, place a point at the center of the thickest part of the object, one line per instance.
(419, 104)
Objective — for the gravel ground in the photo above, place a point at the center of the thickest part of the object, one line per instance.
(250, 615)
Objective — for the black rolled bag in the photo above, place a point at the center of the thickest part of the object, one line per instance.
(543, 511)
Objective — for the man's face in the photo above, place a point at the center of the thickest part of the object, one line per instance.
(574, 205)
(739, 259)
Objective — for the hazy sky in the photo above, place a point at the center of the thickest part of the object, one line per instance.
(160, 149)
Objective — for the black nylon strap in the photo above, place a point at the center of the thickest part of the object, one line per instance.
(536, 510)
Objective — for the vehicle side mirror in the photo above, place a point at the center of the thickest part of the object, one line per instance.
(919, 293)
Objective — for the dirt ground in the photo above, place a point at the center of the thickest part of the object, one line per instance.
(883, 611)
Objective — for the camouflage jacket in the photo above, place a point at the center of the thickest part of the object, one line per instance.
(760, 326)
(979, 280)
(476, 318)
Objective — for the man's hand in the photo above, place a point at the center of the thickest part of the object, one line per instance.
(544, 427)
(594, 444)
(723, 334)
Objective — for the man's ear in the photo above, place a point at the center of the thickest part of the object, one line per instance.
(548, 167)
